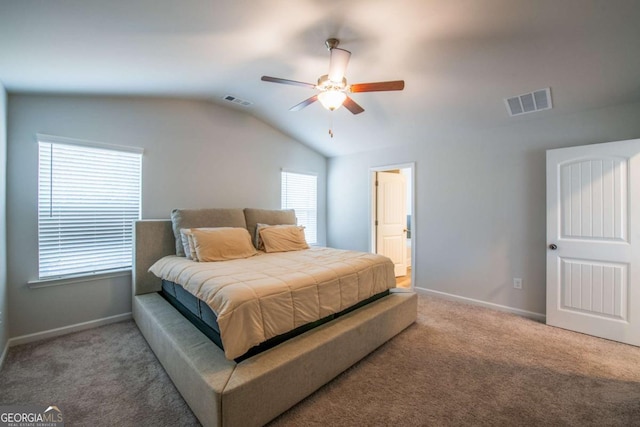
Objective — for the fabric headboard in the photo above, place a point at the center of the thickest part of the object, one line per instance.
(195, 218)
(153, 239)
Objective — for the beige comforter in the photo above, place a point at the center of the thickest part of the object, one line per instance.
(267, 295)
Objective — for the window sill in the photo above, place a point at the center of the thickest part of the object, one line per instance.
(45, 283)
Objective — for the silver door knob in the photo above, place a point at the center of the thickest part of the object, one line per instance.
(553, 246)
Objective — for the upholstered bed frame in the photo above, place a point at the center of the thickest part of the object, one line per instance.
(251, 393)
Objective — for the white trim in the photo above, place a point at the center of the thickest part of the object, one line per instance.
(372, 209)
(524, 313)
(300, 172)
(41, 137)
(393, 166)
(4, 354)
(24, 339)
(81, 278)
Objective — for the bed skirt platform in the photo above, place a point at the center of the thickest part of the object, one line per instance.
(221, 392)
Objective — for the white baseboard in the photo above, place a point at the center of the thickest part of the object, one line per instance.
(67, 329)
(524, 313)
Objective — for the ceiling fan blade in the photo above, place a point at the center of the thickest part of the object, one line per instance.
(287, 82)
(377, 87)
(338, 64)
(304, 103)
(352, 106)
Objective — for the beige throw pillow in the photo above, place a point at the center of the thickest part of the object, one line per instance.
(283, 238)
(266, 216)
(221, 244)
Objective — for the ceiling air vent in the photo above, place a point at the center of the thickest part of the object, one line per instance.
(529, 102)
(237, 100)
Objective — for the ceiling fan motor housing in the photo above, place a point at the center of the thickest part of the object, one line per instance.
(325, 84)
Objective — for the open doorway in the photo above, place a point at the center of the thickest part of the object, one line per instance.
(392, 218)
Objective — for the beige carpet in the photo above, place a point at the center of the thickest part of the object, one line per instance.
(458, 365)
(106, 376)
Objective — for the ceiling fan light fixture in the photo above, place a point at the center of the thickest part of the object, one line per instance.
(332, 99)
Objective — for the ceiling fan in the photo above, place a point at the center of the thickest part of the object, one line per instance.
(333, 87)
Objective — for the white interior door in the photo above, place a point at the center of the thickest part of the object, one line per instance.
(391, 219)
(593, 238)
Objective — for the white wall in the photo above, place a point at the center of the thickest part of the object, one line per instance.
(480, 213)
(4, 316)
(196, 155)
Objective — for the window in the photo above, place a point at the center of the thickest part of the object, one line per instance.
(88, 198)
(300, 192)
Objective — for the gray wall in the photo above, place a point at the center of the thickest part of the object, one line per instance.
(196, 154)
(4, 316)
(480, 212)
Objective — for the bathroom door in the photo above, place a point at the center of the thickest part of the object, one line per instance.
(391, 219)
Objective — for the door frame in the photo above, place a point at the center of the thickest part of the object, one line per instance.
(372, 208)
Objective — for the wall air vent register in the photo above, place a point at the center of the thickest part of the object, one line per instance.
(529, 102)
(238, 101)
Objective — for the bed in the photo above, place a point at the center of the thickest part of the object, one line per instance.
(225, 392)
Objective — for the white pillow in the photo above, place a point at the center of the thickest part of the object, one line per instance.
(187, 244)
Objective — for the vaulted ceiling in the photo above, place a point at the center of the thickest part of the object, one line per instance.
(459, 58)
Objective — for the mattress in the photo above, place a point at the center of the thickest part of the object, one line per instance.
(268, 295)
(202, 317)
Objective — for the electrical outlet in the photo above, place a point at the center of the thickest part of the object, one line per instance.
(517, 283)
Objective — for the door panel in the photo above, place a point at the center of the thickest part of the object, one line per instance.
(391, 217)
(595, 287)
(593, 197)
(593, 210)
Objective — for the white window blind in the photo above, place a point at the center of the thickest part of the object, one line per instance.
(300, 192)
(88, 198)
